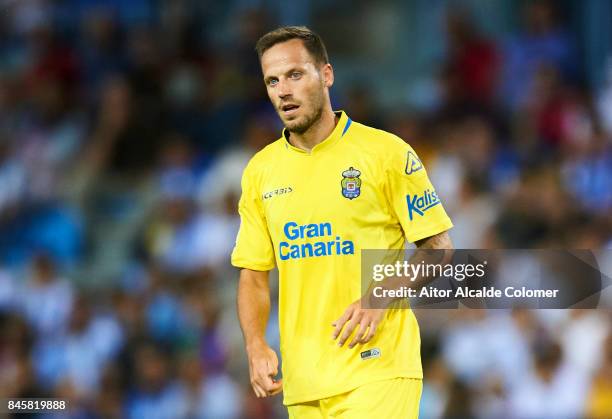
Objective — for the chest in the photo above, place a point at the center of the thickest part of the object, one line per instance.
(313, 189)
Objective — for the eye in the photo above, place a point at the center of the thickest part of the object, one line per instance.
(272, 82)
(295, 75)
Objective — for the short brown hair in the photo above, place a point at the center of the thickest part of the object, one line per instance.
(312, 42)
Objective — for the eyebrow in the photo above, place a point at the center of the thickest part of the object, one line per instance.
(291, 70)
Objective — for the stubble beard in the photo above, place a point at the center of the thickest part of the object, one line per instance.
(309, 120)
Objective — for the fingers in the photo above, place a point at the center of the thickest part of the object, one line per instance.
(263, 367)
(368, 322)
(263, 370)
(257, 389)
(272, 365)
(265, 386)
(363, 326)
(371, 333)
(365, 333)
(348, 314)
(276, 388)
(348, 330)
(256, 380)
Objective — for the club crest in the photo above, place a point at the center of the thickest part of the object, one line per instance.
(351, 184)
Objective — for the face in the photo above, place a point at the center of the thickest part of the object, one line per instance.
(296, 84)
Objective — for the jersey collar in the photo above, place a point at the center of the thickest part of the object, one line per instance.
(336, 135)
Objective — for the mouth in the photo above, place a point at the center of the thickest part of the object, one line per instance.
(289, 109)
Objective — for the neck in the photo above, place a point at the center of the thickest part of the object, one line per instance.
(318, 132)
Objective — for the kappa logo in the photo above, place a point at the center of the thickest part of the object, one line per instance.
(413, 164)
(350, 183)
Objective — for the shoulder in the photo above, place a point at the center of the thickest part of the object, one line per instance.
(393, 155)
(264, 157)
(380, 143)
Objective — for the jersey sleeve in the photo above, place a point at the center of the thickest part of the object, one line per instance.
(253, 249)
(412, 197)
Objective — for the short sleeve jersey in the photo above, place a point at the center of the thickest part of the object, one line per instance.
(310, 214)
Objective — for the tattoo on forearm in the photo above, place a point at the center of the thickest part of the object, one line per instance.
(438, 241)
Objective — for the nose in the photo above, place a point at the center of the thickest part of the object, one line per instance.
(283, 90)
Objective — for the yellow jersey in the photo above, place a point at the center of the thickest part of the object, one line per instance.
(311, 214)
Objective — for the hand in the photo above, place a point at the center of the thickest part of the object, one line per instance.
(367, 319)
(263, 367)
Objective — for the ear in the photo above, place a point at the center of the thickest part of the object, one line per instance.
(328, 75)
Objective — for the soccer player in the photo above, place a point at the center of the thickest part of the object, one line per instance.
(310, 202)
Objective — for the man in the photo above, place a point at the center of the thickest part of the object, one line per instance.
(311, 201)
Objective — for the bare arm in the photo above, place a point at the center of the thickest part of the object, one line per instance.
(437, 241)
(253, 311)
(253, 305)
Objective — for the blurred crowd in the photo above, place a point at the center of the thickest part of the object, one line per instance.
(124, 130)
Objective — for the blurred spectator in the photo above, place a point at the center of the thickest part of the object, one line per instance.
(556, 115)
(410, 126)
(583, 339)
(587, 175)
(100, 49)
(213, 343)
(552, 390)
(124, 141)
(181, 239)
(109, 398)
(472, 60)
(360, 104)
(52, 131)
(186, 92)
(604, 100)
(478, 347)
(474, 213)
(206, 395)
(535, 210)
(130, 311)
(47, 298)
(460, 402)
(154, 393)
(16, 373)
(447, 170)
(166, 318)
(73, 362)
(223, 178)
(9, 292)
(543, 42)
(13, 179)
